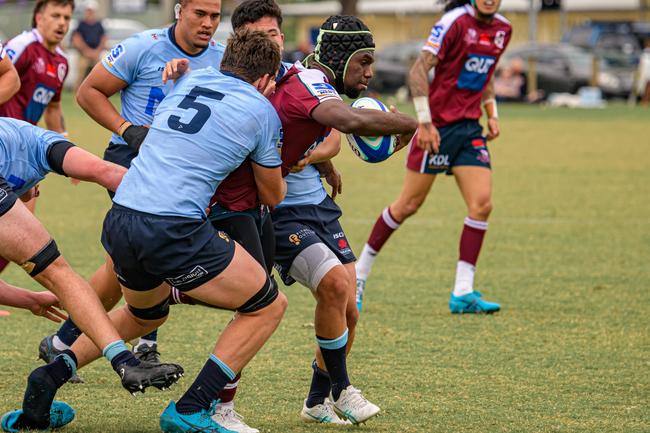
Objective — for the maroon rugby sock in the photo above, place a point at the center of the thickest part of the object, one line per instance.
(383, 228)
(471, 240)
(227, 394)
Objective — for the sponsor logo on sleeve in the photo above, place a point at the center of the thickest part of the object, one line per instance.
(115, 54)
(11, 53)
(323, 90)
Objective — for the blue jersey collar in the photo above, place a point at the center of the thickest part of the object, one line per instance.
(172, 38)
(232, 74)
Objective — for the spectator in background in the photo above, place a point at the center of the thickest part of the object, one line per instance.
(303, 49)
(89, 38)
(510, 83)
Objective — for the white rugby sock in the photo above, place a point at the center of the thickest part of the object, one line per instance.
(464, 278)
(142, 341)
(365, 262)
(58, 344)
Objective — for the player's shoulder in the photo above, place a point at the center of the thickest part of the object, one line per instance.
(454, 16)
(502, 21)
(16, 46)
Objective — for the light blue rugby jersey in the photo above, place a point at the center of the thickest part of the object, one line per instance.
(303, 188)
(23, 153)
(140, 60)
(204, 129)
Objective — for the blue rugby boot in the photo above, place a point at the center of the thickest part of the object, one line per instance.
(201, 422)
(60, 414)
(472, 303)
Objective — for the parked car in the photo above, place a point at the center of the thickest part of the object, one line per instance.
(392, 65)
(565, 68)
(615, 42)
(117, 29)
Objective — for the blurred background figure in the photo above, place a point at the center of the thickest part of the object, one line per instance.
(89, 38)
(644, 74)
(510, 83)
(303, 49)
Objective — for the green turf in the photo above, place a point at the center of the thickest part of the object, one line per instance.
(566, 255)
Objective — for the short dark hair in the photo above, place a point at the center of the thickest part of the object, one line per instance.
(252, 10)
(40, 5)
(250, 55)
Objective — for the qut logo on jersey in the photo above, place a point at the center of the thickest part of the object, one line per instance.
(43, 95)
(40, 99)
(475, 72)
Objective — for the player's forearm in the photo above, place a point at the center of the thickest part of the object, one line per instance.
(9, 81)
(53, 117)
(489, 100)
(328, 149)
(374, 123)
(97, 105)
(15, 296)
(85, 166)
(419, 79)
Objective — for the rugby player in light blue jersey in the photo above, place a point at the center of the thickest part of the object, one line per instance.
(134, 68)
(27, 155)
(157, 232)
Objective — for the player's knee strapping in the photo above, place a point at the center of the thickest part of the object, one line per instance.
(312, 264)
(42, 259)
(266, 295)
(156, 312)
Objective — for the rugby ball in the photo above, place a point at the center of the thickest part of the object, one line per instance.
(371, 149)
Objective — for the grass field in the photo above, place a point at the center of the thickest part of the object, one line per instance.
(566, 255)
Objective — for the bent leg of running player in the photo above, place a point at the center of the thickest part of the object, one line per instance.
(414, 192)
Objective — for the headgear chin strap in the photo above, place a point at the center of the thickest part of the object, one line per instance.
(340, 38)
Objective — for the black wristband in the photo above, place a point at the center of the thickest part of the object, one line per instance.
(134, 135)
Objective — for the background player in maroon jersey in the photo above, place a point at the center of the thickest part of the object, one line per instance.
(41, 64)
(9, 80)
(464, 47)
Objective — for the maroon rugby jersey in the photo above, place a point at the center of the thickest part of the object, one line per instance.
(468, 51)
(297, 93)
(41, 77)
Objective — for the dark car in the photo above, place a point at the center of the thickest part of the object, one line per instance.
(566, 68)
(615, 42)
(392, 65)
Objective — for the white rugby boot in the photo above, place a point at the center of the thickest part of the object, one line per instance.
(354, 406)
(322, 413)
(226, 416)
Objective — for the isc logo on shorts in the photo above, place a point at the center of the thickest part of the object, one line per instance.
(43, 95)
(3, 195)
(475, 72)
(439, 160)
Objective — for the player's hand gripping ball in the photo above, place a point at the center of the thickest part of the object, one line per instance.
(372, 149)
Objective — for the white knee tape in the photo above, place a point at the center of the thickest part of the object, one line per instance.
(311, 265)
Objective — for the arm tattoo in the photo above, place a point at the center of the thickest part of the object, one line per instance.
(419, 74)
